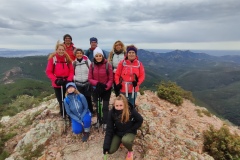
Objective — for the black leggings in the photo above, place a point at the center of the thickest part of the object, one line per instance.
(87, 94)
(105, 97)
(58, 94)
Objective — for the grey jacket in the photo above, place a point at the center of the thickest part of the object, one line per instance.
(81, 70)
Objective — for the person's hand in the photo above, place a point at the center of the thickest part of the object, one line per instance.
(60, 82)
(102, 85)
(100, 88)
(119, 86)
(134, 83)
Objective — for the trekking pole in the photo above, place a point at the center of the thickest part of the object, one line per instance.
(98, 111)
(134, 97)
(134, 88)
(63, 114)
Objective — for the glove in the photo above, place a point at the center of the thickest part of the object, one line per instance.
(100, 88)
(105, 150)
(60, 82)
(102, 85)
(119, 86)
(134, 83)
(136, 77)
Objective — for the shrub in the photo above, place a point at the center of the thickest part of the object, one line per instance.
(203, 111)
(30, 154)
(221, 144)
(173, 93)
(4, 137)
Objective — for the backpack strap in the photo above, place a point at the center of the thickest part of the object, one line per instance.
(107, 64)
(107, 68)
(124, 64)
(86, 62)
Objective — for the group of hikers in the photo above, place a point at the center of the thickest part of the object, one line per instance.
(79, 77)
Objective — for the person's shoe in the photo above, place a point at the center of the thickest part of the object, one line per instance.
(85, 136)
(129, 156)
(104, 127)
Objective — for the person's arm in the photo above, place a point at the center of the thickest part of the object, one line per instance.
(110, 76)
(141, 76)
(84, 104)
(138, 120)
(118, 72)
(73, 116)
(71, 72)
(109, 132)
(92, 81)
(49, 70)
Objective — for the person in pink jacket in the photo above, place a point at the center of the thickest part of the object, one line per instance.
(100, 77)
(60, 71)
(130, 74)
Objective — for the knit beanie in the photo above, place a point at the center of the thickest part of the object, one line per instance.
(93, 39)
(71, 84)
(97, 50)
(131, 48)
(67, 35)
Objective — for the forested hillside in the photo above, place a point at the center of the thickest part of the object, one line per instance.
(214, 81)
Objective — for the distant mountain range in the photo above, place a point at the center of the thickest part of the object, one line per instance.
(4, 52)
(213, 80)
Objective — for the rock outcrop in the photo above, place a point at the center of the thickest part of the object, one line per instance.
(169, 132)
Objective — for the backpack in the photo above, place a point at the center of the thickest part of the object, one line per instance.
(55, 62)
(68, 101)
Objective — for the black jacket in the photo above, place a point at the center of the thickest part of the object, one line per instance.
(115, 127)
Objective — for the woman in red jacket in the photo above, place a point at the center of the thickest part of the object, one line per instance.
(100, 77)
(60, 71)
(130, 74)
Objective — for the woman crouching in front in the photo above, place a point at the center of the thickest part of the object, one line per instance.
(122, 124)
(77, 108)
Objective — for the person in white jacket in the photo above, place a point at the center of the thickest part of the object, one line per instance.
(81, 70)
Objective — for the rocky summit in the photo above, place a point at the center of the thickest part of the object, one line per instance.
(168, 132)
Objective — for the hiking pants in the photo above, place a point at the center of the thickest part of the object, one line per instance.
(131, 98)
(58, 94)
(78, 128)
(126, 140)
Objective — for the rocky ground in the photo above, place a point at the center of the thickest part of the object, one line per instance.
(168, 133)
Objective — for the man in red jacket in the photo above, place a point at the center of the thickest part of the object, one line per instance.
(69, 46)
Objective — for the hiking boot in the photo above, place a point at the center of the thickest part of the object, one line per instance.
(129, 156)
(85, 136)
(104, 127)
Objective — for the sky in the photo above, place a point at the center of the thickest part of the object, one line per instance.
(151, 24)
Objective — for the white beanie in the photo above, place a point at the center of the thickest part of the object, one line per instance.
(97, 50)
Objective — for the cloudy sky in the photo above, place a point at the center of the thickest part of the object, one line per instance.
(151, 24)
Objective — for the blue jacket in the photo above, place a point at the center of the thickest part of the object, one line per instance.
(75, 107)
(89, 54)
